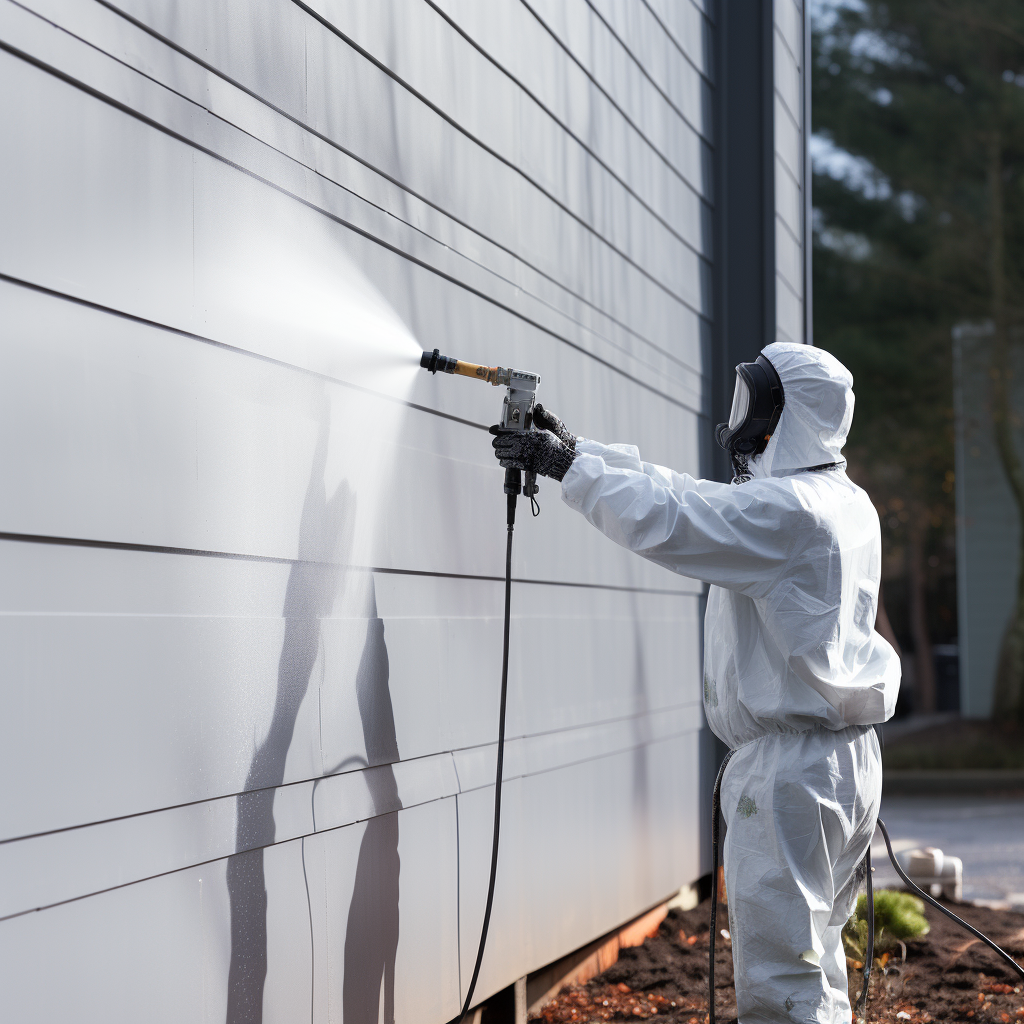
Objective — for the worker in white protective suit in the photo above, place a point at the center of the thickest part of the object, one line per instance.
(794, 673)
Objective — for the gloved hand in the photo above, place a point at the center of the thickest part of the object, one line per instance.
(533, 451)
(544, 419)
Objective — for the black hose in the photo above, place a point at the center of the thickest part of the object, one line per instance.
(1011, 963)
(869, 951)
(716, 809)
(501, 758)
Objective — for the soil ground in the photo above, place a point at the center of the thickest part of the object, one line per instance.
(948, 977)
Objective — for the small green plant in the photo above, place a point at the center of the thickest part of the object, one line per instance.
(899, 916)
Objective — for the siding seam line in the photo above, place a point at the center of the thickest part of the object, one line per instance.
(160, 549)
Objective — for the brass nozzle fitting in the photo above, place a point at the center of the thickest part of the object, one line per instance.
(434, 361)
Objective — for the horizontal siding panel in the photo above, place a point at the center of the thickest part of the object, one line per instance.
(788, 15)
(148, 689)
(595, 277)
(628, 52)
(684, 21)
(788, 199)
(115, 965)
(379, 117)
(788, 145)
(156, 713)
(43, 870)
(788, 101)
(625, 122)
(788, 78)
(677, 322)
(644, 856)
(789, 260)
(790, 312)
(226, 466)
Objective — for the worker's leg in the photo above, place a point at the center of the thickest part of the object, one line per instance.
(866, 764)
(798, 807)
(833, 960)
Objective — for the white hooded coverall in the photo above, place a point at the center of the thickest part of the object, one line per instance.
(794, 673)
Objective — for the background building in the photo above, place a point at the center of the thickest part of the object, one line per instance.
(988, 526)
(252, 557)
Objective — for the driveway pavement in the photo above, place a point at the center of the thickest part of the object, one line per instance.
(987, 833)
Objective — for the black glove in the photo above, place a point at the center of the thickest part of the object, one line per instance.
(532, 451)
(543, 419)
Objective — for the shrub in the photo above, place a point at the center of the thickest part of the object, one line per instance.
(899, 916)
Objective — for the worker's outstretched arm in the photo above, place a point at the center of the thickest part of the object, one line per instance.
(725, 535)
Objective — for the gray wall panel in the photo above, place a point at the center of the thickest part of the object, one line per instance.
(601, 95)
(648, 309)
(238, 449)
(246, 196)
(790, 170)
(114, 964)
(506, 140)
(251, 556)
(684, 22)
(160, 689)
(789, 203)
(96, 959)
(570, 804)
(651, 53)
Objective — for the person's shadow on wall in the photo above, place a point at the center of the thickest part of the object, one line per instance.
(371, 942)
(371, 938)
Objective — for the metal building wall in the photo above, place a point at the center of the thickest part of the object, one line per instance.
(790, 102)
(250, 586)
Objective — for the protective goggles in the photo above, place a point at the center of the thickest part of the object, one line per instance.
(756, 407)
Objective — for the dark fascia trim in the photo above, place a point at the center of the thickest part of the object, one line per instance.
(744, 208)
(808, 211)
(767, 70)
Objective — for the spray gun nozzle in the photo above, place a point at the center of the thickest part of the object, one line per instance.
(496, 375)
(434, 361)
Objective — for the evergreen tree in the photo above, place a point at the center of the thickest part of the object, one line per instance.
(926, 231)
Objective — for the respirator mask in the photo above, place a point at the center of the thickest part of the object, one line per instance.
(757, 405)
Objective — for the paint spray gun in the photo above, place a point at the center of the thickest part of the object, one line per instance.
(516, 410)
(516, 414)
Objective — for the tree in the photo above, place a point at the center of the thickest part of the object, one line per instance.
(926, 231)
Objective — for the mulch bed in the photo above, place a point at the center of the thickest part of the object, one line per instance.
(948, 977)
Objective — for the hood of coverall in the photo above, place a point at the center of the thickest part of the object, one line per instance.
(817, 414)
